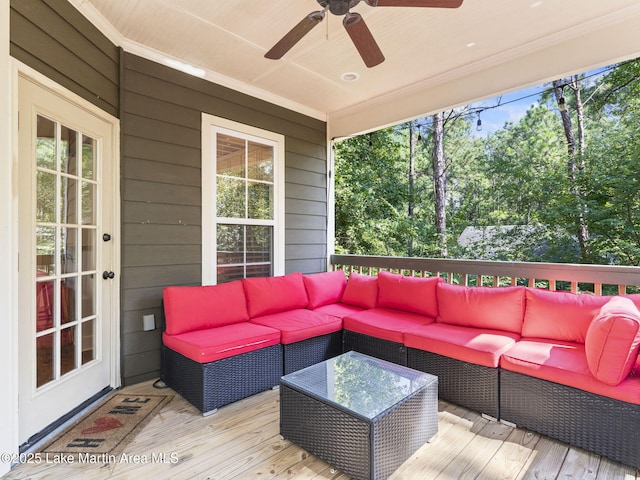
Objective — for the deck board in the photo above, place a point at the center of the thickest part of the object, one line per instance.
(242, 441)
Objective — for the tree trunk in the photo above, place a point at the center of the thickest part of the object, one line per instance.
(440, 180)
(575, 159)
(412, 176)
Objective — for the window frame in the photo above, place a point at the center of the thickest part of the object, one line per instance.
(211, 126)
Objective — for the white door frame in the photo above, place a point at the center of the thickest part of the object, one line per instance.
(113, 205)
(8, 267)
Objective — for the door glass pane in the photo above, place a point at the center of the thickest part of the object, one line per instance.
(260, 161)
(45, 305)
(68, 295)
(88, 157)
(68, 200)
(88, 249)
(230, 153)
(88, 203)
(46, 195)
(230, 198)
(88, 341)
(68, 147)
(46, 143)
(67, 350)
(68, 250)
(260, 201)
(44, 359)
(46, 250)
(88, 295)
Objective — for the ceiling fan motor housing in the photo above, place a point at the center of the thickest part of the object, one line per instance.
(338, 7)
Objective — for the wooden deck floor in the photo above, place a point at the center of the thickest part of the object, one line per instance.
(242, 441)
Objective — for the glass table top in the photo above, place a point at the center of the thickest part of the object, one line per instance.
(359, 383)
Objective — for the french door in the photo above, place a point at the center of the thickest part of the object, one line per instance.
(66, 255)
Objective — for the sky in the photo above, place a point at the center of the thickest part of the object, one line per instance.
(514, 105)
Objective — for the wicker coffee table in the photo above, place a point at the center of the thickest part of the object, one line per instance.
(363, 415)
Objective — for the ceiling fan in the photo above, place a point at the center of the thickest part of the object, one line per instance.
(353, 23)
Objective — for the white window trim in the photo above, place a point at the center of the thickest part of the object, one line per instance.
(210, 126)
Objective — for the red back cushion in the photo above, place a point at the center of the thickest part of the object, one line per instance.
(361, 291)
(560, 315)
(324, 288)
(275, 294)
(613, 340)
(196, 308)
(496, 308)
(412, 294)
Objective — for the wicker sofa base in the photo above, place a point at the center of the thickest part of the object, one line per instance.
(376, 347)
(473, 386)
(314, 350)
(602, 425)
(208, 386)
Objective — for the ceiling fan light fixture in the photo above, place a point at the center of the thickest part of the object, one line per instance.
(354, 24)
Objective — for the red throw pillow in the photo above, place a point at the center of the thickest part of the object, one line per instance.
(496, 308)
(412, 294)
(559, 315)
(361, 291)
(197, 308)
(324, 288)
(613, 340)
(275, 294)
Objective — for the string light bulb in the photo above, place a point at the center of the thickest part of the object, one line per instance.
(479, 123)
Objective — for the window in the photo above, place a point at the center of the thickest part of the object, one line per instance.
(242, 201)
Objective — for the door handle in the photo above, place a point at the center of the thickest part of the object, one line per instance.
(106, 275)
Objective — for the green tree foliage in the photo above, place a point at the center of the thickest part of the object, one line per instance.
(512, 187)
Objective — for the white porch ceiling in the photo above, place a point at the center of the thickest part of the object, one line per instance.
(435, 58)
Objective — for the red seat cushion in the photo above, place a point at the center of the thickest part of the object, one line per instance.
(339, 310)
(613, 340)
(565, 363)
(412, 294)
(300, 324)
(275, 294)
(494, 308)
(559, 315)
(473, 345)
(385, 323)
(195, 308)
(324, 288)
(361, 291)
(204, 346)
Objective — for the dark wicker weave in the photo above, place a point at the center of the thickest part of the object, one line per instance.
(314, 350)
(599, 424)
(359, 447)
(211, 385)
(376, 347)
(473, 386)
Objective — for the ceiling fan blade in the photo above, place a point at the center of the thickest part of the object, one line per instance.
(295, 35)
(415, 3)
(363, 40)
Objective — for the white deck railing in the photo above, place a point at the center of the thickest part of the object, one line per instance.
(596, 279)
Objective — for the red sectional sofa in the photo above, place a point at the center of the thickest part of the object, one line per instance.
(562, 364)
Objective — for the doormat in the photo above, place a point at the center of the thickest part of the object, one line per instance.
(104, 432)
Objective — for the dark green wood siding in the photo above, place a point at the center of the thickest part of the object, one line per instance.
(161, 191)
(52, 37)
